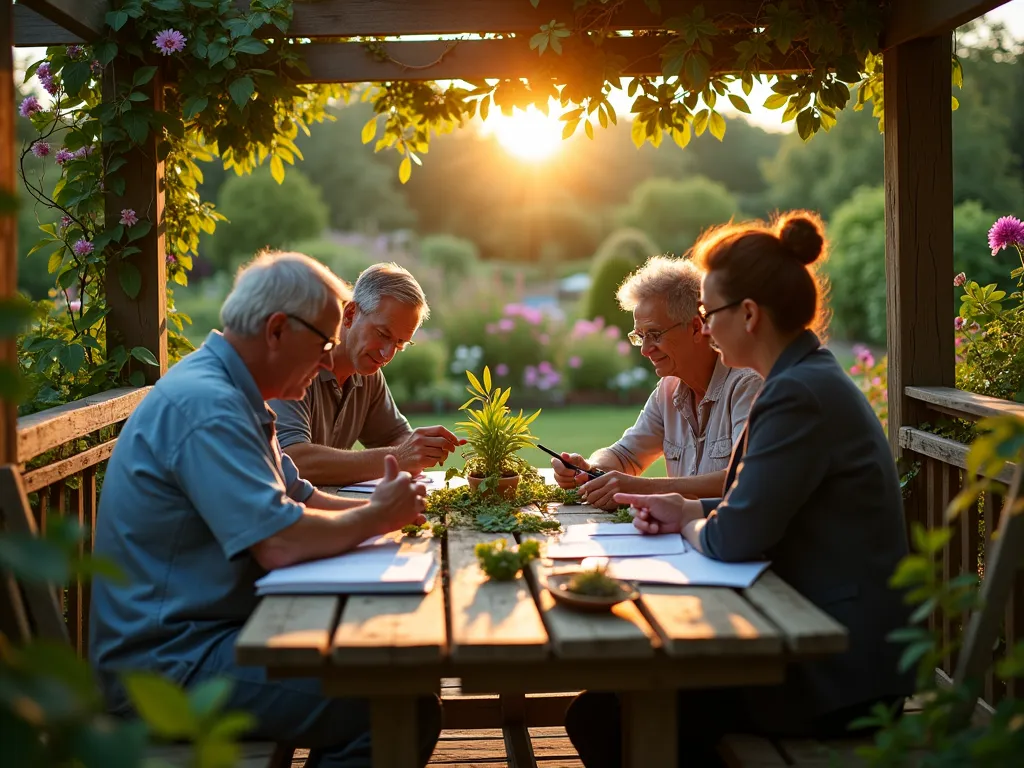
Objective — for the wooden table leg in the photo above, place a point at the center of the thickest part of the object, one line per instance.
(518, 748)
(649, 729)
(394, 732)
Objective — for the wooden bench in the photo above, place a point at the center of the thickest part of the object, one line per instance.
(35, 611)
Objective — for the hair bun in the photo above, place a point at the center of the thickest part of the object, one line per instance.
(802, 234)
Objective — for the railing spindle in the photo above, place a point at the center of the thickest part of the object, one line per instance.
(951, 564)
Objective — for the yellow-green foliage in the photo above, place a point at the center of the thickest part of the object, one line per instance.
(494, 434)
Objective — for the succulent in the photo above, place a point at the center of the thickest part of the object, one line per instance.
(594, 583)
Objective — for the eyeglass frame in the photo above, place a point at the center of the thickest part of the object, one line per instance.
(706, 313)
(637, 339)
(329, 343)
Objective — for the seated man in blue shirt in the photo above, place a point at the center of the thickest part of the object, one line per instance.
(199, 502)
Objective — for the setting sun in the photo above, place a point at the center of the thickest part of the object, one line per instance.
(529, 135)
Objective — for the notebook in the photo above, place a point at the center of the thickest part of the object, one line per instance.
(378, 568)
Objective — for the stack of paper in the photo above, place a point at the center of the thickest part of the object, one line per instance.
(689, 568)
(376, 567)
(433, 480)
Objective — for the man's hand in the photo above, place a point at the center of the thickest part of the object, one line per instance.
(397, 501)
(600, 492)
(661, 512)
(426, 447)
(570, 478)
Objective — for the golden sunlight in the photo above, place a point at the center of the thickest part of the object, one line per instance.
(529, 135)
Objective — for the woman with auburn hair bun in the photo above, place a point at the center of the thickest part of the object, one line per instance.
(812, 486)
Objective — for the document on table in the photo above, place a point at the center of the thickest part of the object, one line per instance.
(577, 546)
(688, 569)
(433, 480)
(366, 570)
(583, 531)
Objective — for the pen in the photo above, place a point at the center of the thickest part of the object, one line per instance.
(594, 473)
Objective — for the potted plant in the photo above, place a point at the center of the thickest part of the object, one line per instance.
(495, 436)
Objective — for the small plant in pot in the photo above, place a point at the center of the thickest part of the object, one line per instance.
(494, 435)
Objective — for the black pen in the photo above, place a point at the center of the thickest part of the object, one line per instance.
(594, 473)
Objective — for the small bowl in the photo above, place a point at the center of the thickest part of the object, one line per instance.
(558, 586)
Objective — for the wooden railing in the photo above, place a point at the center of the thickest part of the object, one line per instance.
(62, 452)
(943, 466)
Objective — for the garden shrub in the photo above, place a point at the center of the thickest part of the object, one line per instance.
(454, 256)
(595, 355)
(415, 373)
(346, 261)
(622, 253)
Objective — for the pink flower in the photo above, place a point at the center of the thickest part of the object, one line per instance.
(877, 381)
(75, 305)
(575, 361)
(1007, 230)
(171, 259)
(545, 368)
(622, 347)
(958, 341)
(974, 327)
(170, 41)
(128, 217)
(958, 323)
(530, 376)
(65, 222)
(82, 152)
(959, 280)
(74, 51)
(64, 156)
(40, 149)
(501, 369)
(82, 247)
(612, 332)
(854, 370)
(506, 324)
(29, 107)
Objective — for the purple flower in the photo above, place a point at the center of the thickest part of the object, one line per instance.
(82, 247)
(501, 369)
(29, 107)
(170, 41)
(74, 51)
(530, 376)
(82, 152)
(65, 221)
(622, 348)
(1007, 230)
(863, 356)
(575, 361)
(545, 368)
(43, 70)
(959, 280)
(171, 259)
(50, 85)
(64, 156)
(96, 67)
(958, 323)
(129, 217)
(40, 149)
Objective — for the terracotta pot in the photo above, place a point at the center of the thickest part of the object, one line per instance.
(506, 485)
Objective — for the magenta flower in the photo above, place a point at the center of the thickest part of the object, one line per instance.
(501, 369)
(545, 368)
(170, 41)
(958, 323)
(612, 332)
(129, 217)
(64, 156)
(959, 280)
(29, 107)
(171, 259)
(622, 347)
(43, 70)
(854, 370)
(74, 51)
(40, 149)
(1007, 230)
(863, 356)
(75, 304)
(82, 247)
(575, 361)
(530, 376)
(65, 221)
(506, 324)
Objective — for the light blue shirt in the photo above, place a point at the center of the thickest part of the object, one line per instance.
(196, 478)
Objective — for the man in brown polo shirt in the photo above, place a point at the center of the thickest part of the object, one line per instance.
(352, 402)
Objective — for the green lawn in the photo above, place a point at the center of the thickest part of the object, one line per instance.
(577, 430)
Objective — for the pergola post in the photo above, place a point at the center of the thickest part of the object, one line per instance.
(919, 228)
(141, 320)
(8, 224)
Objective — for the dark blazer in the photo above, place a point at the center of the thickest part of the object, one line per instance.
(812, 486)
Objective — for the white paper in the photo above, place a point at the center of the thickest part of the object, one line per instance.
(689, 568)
(432, 479)
(616, 546)
(587, 530)
(367, 570)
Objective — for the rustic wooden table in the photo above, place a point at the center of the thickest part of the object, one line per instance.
(510, 638)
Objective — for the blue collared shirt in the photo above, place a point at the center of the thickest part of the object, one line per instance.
(197, 477)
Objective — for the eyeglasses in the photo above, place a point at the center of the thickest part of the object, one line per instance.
(705, 313)
(399, 345)
(329, 343)
(637, 338)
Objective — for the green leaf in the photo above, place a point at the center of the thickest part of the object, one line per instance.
(139, 230)
(739, 103)
(716, 125)
(116, 19)
(137, 379)
(193, 106)
(144, 355)
(142, 76)
(250, 45)
(241, 90)
(130, 278)
(75, 75)
(15, 315)
(775, 101)
(161, 704)
(72, 357)
(33, 559)
(136, 125)
(208, 697)
(217, 52)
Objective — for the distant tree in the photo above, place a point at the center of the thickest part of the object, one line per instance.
(264, 214)
(674, 212)
(346, 261)
(454, 256)
(620, 254)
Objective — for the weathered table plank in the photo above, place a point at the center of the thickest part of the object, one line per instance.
(396, 629)
(287, 630)
(490, 620)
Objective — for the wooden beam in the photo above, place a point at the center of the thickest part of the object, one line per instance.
(359, 18)
(34, 31)
(919, 231)
(81, 17)
(913, 19)
(139, 321)
(8, 227)
(505, 58)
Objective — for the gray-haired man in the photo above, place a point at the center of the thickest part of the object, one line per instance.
(351, 401)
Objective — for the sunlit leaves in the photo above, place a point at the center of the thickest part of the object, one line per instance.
(550, 35)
